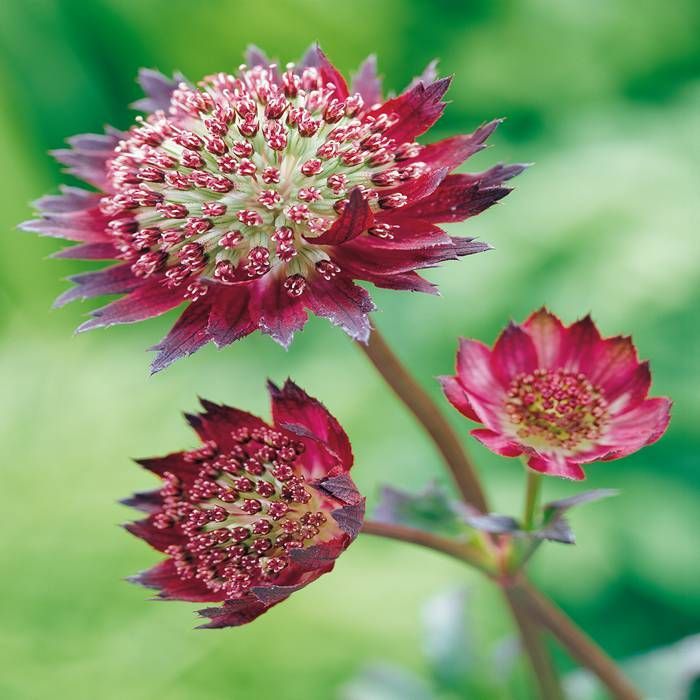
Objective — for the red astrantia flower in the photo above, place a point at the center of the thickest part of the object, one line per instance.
(256, 513)
(561, 395)
(259, 196)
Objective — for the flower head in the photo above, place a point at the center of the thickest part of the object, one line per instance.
(562, 395)
(258, 196)
(255, 513)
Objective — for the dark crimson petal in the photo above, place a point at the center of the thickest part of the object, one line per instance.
(87, 251)
(117, 279)
(147, 501)
(498, 174)
(229, 318)
(513, 353)
(315, 58)
(278, 315)
(164, 578)
(343, 303)
(350, 518)
(457, 198)
(469, 246)
(187, 335)
(411, 234)
(88, 155)
(157, 538)
(271, 595)
(158, 89)
(420, 187)
(406, 281)
(366, 82)
(356, 218)
(234, 613)
(145, 302)
(218, 420)
(451, 152)
(174, 463)
(292, 405)
(417, 110)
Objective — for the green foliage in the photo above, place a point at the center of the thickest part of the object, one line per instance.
(603, 96)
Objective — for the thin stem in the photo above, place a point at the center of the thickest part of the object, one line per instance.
(428, 415)
(580, 645)
(419, 402)
(534, 647)
(534, 481)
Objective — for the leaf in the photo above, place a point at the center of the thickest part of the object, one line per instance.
(494, 523)
(431, 510)
(585, 497)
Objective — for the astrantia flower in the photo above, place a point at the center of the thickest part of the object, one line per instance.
(561, 395)
(257, 196)
(254, 514)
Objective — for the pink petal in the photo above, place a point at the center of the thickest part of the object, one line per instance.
(547, 333)
(497, 442)
(579, 347)
(455, 394)
(343, 303)
(513, 353)
(457, 198)
(615, 366)
(475, 372)
(145, 302)
(640, 426)
(187, 335)
(87, 158)
(366, 82)
(291, 406)
(356, 218)
(556, 465)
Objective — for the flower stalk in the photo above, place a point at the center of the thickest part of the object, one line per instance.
(526, 603)
(532, 493)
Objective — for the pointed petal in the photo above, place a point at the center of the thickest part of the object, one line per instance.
(497, 442)
(429, 75)
(404, 281)
(88, 155)
(145, 302)
(579, 346)
(164, 578)
(366, 82)
(146, 501)
(291, 405)
(356, 218)
(187, 335)
(159, 539)
(117, 279)
(218, 420)
(174, 463)
(229, 318)
(474, 367)
(556, 465)
(158, 89)
(234, 613)
(87, 251)
(343, 303)
(255, 56)
(548, 334)
(84, 223)
(417, 109)
(640, 426)
(278, 315)
(457, 198)
(513, 353)
(455, 394)
(315, 58)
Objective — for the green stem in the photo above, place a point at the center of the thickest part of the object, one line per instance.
(532, 493)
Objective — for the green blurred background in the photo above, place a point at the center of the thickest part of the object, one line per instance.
(602, 95)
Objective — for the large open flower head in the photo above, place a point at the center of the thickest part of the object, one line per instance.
(563, 396)
(255, 513)
(258, 196)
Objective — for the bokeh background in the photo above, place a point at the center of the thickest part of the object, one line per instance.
(603, 96)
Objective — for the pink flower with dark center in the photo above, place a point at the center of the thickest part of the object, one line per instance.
(561, 395)
(254, 514)
(242, 157)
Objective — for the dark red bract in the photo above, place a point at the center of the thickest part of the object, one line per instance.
(254, 514)
(561, 395)
(260, 196)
